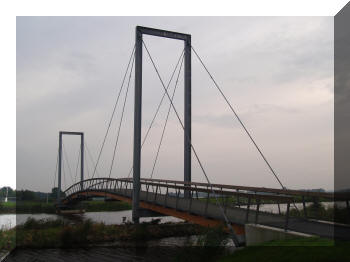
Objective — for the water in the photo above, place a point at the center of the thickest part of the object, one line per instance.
(110, 218)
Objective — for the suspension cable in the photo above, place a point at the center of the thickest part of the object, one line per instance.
(166, 121)
(114, 108)
(239, 119)
(158, 108)
(121, 118)
(234, 236)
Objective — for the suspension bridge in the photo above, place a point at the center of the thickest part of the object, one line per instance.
(207, 204)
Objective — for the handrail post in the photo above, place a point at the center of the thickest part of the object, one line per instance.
(166, 195)
(147, 188)
(155, 195)
(304, 208)
(190, 204)
(257, 210)
(287, 217)
(206, 204)
(177, 197)
(248, 207)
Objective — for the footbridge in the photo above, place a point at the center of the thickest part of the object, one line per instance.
(241, 204)
(207, 204)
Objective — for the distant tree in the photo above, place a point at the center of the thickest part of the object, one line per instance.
(3, 192)
(54, 191)
(25, 195)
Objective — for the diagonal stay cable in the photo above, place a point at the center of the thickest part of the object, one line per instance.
(166, 121)
(242, 124)
(87, 166)
(64, 175)
(121, 119)
(158, 107)
(239, 119)
(114, 108)
(66, 157)
(90, 156)
(76, 168)
(233, 234)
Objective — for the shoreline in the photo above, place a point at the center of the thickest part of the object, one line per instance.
(49, 233)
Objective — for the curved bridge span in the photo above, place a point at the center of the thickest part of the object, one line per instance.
(167, 197)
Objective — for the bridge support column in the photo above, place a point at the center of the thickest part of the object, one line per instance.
(138, 110)
(188, 114)
(81, 161)
(137, 128)
(59, 168)
(59, 185)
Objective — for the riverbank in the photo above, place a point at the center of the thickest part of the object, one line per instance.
(59, 233)
(37, 237)
(31, 207)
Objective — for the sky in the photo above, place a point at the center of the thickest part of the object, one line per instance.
(276, 71)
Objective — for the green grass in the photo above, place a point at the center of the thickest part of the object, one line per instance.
(301, 250)
(208, 247)
(7, 239)
(306, 241)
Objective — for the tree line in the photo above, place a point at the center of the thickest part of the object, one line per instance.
(28, 195)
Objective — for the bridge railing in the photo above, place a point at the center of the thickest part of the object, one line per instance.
(298, 196)
(198, 191)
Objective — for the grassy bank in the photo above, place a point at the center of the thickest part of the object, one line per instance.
(301, 250)
(317, 211)
(208, 247)
(58, 233)
(31, 207)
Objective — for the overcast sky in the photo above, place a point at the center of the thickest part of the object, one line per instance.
(276, 71)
